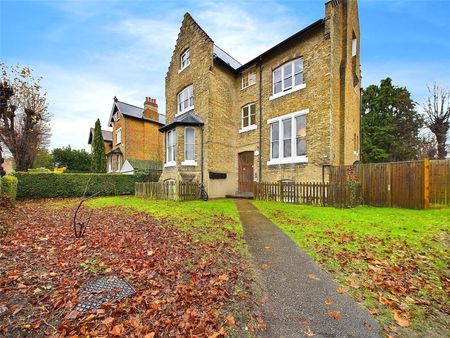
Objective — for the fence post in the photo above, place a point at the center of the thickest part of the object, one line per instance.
(281, 192)
(426, 183)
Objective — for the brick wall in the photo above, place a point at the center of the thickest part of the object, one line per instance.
(330, 95)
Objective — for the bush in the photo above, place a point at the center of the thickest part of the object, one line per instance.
(9, 186)
(38, 185)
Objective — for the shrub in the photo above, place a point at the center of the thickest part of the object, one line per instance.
(38, 185)
(9, 186)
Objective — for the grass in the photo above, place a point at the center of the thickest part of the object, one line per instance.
(391, 260)
(209, 221)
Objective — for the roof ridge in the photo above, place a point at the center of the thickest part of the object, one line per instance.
(129, 104)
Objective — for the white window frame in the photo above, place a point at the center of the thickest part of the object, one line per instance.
(187, 162)
(118, 136)
(190, 99)
(293, 87)
(171, 142)
(354, 46)
(184, 66)
(250, 126)
(293, 158)
(251, 80)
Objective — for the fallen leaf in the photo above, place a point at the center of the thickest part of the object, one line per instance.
(150, 335)
(340, 290)
(312, 276)
(328, 301)
(400, 320)
(309, 333)
(230, 321)
(374, 312)
(72, 315)
(108, 321)
(264, 266)
(219, 333)
(117, 330)
(335, 314)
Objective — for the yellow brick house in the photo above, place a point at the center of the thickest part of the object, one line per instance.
(280, 116)
(136, 142)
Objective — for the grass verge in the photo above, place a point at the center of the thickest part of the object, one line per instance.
(394, 261)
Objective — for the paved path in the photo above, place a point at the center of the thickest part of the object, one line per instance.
(297, 288)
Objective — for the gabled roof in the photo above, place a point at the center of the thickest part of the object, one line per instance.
(106, 134)
(115, 151)
(130, 110)
(187, 119)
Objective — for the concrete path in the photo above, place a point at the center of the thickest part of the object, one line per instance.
(296, 288)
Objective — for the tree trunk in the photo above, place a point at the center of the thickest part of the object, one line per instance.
(441, 139)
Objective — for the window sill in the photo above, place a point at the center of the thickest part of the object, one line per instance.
(288, 160)
(184, 111)
(246, 129)
(180, 70)
(170, 164)
(242, 88)
(294, 89)
(189, 163)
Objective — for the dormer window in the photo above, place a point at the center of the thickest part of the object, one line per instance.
(248, 78)
(184, 60)
(185, 99)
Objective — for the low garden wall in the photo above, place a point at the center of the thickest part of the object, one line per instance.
(39, 185)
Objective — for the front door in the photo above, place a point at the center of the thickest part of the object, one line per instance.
(245, 180)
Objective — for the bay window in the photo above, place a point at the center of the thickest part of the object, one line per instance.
(189, 146)
(287, 78)
(170, 147)
(185, 99)
(288, 138)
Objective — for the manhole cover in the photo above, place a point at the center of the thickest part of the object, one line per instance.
(103, 289)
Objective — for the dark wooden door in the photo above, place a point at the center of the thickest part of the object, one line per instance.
(245, 179)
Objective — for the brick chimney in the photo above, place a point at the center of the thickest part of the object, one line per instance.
(151, 109)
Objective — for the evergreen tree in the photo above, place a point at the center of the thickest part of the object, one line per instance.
(73, 159)
(390, 124)
(98, 158)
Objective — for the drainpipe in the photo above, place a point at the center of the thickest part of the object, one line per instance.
(260, 120)
(201, 165)
(360, 122)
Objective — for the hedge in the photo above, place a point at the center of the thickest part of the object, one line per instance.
(8, 186)
(39, 185)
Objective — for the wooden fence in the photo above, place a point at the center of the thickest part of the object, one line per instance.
(315, 193)
(440, 183)
(177, 191)
(413, 185)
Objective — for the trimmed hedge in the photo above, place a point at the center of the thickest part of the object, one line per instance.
(8, 186)
(38, 185)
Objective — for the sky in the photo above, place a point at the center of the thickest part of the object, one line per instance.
(90, 51)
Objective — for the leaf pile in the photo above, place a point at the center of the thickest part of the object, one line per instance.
(184, 287)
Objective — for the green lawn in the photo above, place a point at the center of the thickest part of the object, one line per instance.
(210, 221)
(394, 261)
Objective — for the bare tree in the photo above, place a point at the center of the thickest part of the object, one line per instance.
(437, 110)
(24, 120)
